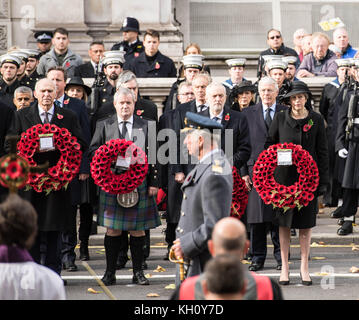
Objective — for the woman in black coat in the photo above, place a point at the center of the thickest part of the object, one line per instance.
(287, 126)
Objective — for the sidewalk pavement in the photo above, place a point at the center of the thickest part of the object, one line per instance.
(325, 232)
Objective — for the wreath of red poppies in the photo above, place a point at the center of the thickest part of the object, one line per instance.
(13, 171)
(66, 168)
(239, 195)
(104, 158)
(287, 197)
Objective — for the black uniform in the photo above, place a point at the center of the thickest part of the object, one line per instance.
(172, 101)
(132, 50)
(329, 108)
(158, 66)
(30, 81)
(85, 70)
(7, 92)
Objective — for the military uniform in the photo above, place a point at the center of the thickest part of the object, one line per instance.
(30, 81)
(7, 92)
(207, 197)
(132, 50)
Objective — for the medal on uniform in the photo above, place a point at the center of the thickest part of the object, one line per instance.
(46, 142)
(284, 157)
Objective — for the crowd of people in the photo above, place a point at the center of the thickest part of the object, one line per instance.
(46, 86)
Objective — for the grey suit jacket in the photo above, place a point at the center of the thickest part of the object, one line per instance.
(207, 197)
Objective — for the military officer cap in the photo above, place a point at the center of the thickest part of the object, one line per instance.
(113, 57)
(344, 62)
(43, 36)
(276, 64)
(237, 62)
(290, 59)
(193, 61)
(131, 24)
(9, 58)
(195, 121)
(269, 57)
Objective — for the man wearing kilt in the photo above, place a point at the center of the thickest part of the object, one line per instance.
(116, 218)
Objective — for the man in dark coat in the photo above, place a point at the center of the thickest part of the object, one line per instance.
(52, 209)
(347, 147)
(31, 76)
(151, 63)
(276, 47)
(69, 238)
(91, 68)
(260, 215)
(131, 44)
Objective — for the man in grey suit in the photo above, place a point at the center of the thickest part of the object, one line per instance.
(207, 192)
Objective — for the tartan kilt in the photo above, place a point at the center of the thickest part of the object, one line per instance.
(143, 216)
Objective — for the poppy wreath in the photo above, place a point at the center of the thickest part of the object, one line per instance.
(239, 195)
(66, 168)
(286, 197)
(125, 182)
(14, 171)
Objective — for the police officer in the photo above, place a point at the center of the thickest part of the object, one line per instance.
(151, 63)
(192, 65)
(131, 44)
(347, 147)
(236, 69)
(44, 41)
(8, 83)
(207, 192)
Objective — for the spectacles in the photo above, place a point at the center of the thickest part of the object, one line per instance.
(275, 37)
(187, 94)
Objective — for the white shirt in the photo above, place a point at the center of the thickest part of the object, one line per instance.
(30, 281)
(271, 112)
(50, 113)
(199, 104)
(220, 116)
(129, 125)
(61, 100)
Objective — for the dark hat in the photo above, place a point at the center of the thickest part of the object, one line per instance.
(245, 85)
(43, 36)
(194, 121)
(77, 81)
(297, 87)
(130, 24)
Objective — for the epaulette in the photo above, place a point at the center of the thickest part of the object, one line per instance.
(218, 166)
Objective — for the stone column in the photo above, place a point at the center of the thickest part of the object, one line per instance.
(98, 17)
(5, 26)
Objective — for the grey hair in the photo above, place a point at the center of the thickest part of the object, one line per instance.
(123, 91)
(23, 89)
(125, 76)
(203, 76)
(266, 81)
(183, 84)
(207, 136)
(213, 85)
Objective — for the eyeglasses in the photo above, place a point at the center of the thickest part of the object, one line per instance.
(275, 37)
(187, 94)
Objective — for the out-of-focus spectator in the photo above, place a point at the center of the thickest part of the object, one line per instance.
(297, 40)
(307, 44)
(341, 41)
(185, 92)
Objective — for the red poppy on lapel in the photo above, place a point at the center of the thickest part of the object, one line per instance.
(67, 64)
(67, 101)
(226, 118)
(139, 112)
(59, 116)
(157, 65)
(136, 54)
(307, 126)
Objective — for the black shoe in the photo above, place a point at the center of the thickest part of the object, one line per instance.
(293, 232)
(139, 278)
(69, 266)
(84, 252)
(144, 265)
(121, 262)
(345, 229)
(65, 282)
(340, 221)
(256, 266)
(109, 278)
(337, 213)
(284, 282)
(306, 283)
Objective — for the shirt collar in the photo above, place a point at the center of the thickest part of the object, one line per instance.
(211, 115)
(50, 112)
(130, 120)
(272, 107)
(61, 99)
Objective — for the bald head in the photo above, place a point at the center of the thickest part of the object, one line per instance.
(229, 235)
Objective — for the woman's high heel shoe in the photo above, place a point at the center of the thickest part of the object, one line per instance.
(284, 282)
(306, 283)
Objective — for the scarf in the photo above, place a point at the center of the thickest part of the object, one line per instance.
(13, 254)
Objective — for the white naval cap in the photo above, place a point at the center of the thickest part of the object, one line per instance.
(32, 53)
(193, 61)
(290, 59)
(20, 53)
(269, 57)
(276, 64)
(345, 62)
(237, 62)
(9, 58)
(113, 57)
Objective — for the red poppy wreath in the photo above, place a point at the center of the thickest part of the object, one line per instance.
(66, 168)
(286, 197)
(108, 154)
(13, 171)
(239, 195)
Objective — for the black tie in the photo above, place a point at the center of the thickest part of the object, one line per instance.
(124, 130)
(268, 119)
(46, 120)
(215, 119)
(202, 107)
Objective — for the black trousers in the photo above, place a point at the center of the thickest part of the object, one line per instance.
(52, 255)
(258, 239)
(69, 238)
(170, 234)
(86, 215)
(350, 202)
